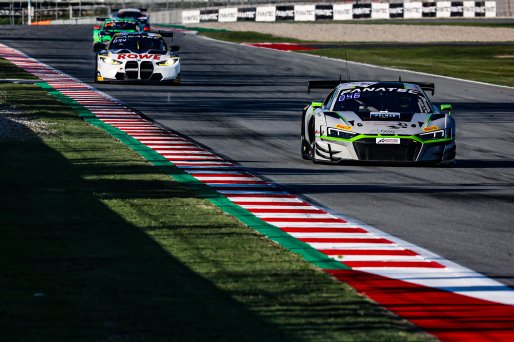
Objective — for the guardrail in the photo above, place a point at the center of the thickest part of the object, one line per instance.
(345, 11)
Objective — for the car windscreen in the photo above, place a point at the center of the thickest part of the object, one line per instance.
(135, 43)
(380, 99)
(121, 25)
(130, 14)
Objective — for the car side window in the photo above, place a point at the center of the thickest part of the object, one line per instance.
(328, 100)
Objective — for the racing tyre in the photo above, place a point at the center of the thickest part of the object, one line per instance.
(176, 81)
(306, 149)
(96, 70)
(314, 152)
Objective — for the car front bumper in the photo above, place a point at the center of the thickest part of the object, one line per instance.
(137, 71)
(366, 149)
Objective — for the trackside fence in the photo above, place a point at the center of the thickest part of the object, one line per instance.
(343, 11)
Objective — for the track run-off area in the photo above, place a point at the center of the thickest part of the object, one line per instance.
(412, 237)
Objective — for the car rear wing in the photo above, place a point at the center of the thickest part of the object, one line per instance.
(100, 19)
(331, 84)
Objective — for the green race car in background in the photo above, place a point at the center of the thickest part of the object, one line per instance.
(104, 33)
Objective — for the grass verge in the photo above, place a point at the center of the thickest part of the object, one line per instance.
(247, 37)
(492, 63)
(98, 245)
(485, 63)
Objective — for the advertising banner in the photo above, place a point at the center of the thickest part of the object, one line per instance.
(444, 9)
(490, 9)
(379, 10)
(468, 9)
(191, 17)
(324, 12)
(284, 13)
(347, 11)
(361, 11)
(227, 15)
(265, 13)
(457, 9)
(343, 11)
(396, 10)
(428, 9)
(304, 13)
(246, 14)
(208, 15)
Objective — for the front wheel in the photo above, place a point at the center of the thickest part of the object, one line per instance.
(306, 148)
(95, 76)
(176, 81)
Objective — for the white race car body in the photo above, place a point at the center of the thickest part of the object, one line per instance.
(378, 122)
(122, 61)
(138, 67)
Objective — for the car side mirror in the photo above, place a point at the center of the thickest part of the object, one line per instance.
(315, 105)
(174, 48)
(99, 47)
(446, 108)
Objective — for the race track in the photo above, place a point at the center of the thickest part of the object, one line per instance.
(245, 103)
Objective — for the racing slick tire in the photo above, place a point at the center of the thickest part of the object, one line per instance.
(176, 81)
(307, 150)
(95, 77)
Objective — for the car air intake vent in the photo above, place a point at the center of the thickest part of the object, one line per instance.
(132, 70)
(368, 149)
(146, 70)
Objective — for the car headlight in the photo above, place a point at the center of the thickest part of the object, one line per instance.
(440, 134)
(168, 62)
(109, 60)
(337, 133)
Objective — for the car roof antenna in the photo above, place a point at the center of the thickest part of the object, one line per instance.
(399, 78)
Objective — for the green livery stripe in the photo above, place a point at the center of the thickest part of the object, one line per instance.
(364, 136)
(202, 190)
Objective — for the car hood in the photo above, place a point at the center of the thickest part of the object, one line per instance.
(386, 122)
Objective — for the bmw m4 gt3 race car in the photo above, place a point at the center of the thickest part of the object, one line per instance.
(104, 33)
(137, 57)
(378, 122)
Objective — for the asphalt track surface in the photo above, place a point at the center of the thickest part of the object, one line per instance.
(245, 103)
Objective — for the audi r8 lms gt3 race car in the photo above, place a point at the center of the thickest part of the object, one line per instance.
(379, 122)
(104, 33)
(137, 57)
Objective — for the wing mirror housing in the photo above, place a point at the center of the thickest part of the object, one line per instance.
(316, 105)
(446, 108)
(174, 48)
(99, 47)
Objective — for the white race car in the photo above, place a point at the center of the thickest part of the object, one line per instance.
(137, 57)
(377, 122)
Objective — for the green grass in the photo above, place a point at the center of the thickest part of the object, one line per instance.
(479, 63)
(98, 245)
(247, 37)
(11, 71)
(473, 62)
